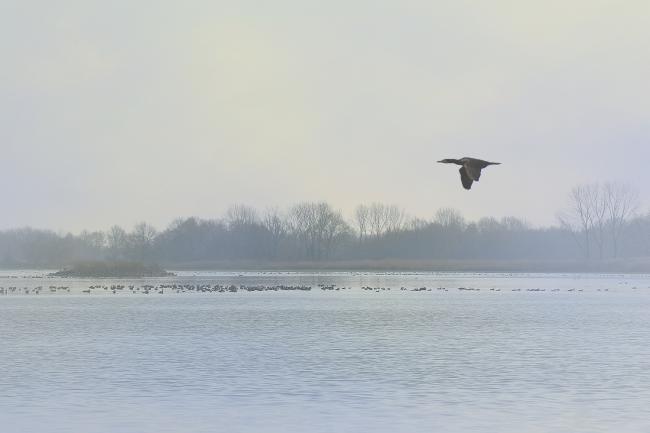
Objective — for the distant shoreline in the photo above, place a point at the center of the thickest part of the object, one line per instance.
(637, 265)
(630, 266)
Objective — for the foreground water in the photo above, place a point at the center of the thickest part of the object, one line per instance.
(525, 353)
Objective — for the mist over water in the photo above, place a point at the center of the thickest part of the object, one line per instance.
(330, 361)
(142, 136)
(601, 231)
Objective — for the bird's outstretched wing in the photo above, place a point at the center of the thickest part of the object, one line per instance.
(464, 178)
(473, 171)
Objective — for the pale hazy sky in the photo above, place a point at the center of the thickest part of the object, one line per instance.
(121, 111)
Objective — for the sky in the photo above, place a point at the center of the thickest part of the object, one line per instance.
(119, 112)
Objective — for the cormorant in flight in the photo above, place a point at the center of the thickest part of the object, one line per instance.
(470, 169)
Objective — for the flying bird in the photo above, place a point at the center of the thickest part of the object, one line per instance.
(470, 169)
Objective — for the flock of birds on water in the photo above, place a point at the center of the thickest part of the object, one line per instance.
(161, 289)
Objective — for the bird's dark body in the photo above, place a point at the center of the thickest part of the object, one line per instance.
(470, 170)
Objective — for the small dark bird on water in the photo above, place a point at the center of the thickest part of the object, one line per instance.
(470, 169)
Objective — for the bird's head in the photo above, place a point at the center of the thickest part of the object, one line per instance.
(448, 161)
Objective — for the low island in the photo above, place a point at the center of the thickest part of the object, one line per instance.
(112, 269)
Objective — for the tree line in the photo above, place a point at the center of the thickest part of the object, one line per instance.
(601, 221)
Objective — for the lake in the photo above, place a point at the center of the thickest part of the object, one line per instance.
(509, 353)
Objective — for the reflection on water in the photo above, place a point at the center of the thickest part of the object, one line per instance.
(330, 361)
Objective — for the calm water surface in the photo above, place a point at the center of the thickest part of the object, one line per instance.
(329, 361)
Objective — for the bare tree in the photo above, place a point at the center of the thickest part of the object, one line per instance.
(117, 241)
(142, 238)
(578, 219)
(335, 228)
(621, 202)
(488, 225)
(277, 226)
(415, 223)
(514, 224)
(300, 224)
(95, 240)
(361, 214)
(598, 210)
(395, 217)
(586, 217)
(382, 218)
(450, 218)
(318, 227)
(377, 219)
(241, 215)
